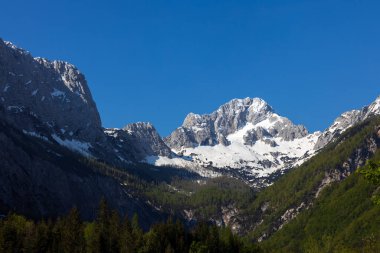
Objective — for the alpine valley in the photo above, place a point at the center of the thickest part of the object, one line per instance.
(242, 166)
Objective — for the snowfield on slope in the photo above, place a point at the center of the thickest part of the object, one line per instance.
(260, 159)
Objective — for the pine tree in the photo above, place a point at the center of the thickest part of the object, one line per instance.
(103, 226)
(137, 232)
(114, 232)
(127, 244)
(72, 233)
(91, 236)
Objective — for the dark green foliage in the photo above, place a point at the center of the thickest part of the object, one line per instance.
(71, 233)
(205, 198)
(343, 218)
(108, 234)
(371, 172)
(301, 184)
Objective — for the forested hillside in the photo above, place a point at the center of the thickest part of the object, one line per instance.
(325, 205)
(109, 233)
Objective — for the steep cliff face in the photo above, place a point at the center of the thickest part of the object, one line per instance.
(54, 91)
(39, 178)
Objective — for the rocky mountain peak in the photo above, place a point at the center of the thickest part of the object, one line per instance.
(252, 105)
(54, 91)
(243, 134)
(139, 139)
(374, 107)
(14, 47)
(140, 126)
(212, 129)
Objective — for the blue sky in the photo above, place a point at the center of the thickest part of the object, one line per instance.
(159, 60)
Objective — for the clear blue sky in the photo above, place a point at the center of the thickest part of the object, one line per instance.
(159, 60)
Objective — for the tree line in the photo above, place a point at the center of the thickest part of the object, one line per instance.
(109, 233)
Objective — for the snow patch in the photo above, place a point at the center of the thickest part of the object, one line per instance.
(58, 93)
(15, 108)
(180, 162)
(34, 92)
(6, 88)
(74, 145)
(260, 159)
(34, 134)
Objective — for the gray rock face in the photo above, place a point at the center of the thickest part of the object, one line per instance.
(140, 139)
(288, 131)
(55, 91)
(212, 129)
(254, 135)
(147, 139)
(346, 120)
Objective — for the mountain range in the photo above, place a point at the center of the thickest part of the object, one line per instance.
(244, 138)
(55, 153)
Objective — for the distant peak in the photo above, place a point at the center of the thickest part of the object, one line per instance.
(246, 100)
(259, 104)
(255, 105)
(140, 125)
(14, 47)
(374, 107)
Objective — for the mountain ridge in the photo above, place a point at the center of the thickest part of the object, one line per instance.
(243, 138)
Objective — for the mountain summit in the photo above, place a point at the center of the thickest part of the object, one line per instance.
(243, 136)
(212, 129)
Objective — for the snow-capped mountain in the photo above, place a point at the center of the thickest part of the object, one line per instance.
(247, 139)
(243, 137)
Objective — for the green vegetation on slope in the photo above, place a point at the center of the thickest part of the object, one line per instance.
(300, 185)
(204, 197)
(371, 172)
(343, 219)
(334, 217)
